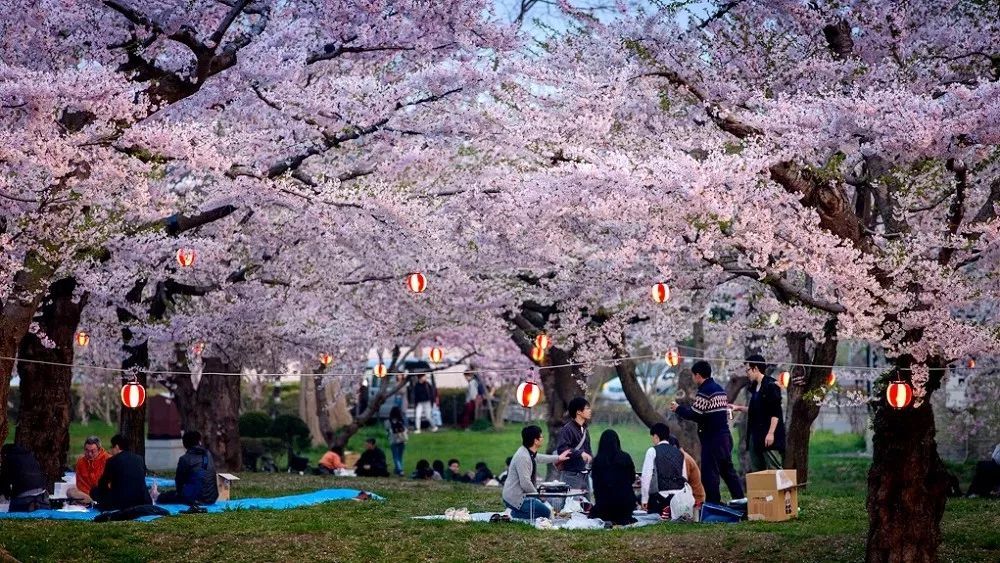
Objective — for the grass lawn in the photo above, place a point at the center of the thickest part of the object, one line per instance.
(831, 526)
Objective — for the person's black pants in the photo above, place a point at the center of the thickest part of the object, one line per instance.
(716, 462)
(986, 479)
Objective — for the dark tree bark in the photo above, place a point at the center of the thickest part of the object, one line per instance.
(46, 398)
(806, 383)
(342, 435)
(212, 408)
(907, 482)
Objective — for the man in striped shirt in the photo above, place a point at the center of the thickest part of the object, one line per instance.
(710, 410)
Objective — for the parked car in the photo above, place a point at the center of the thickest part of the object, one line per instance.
(375, 385)
(654, 381)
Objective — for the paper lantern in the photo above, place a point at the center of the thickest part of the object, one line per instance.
(380, 370)
(436, 355)
(528, 394)
(899, 394)
(971, 364)
(198, 348)
(831, 379)
(784, 378)
(185, 257)
(325, 359)
(660, 292)
(133, 395)
(673, 357)
(543, 341)
(538, 354)
(416, 282)
(82, 338)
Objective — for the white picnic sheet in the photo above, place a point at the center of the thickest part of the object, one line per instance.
(576, 521)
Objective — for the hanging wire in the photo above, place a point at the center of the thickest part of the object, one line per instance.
(598, 362)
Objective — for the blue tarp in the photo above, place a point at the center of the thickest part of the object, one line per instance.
(275, 503)
(161, 482)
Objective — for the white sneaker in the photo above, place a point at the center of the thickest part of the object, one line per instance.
(739, 501)
(435, 429)
(417, 431)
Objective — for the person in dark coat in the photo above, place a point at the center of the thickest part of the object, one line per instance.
(195, 478)
(123, 484)
(372, 461)
(710, 410)
(613, 472)
(765, 423)
(22, 480)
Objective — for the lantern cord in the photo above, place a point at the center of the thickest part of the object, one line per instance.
(598, 362)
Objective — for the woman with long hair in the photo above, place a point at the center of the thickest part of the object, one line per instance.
(614, 473)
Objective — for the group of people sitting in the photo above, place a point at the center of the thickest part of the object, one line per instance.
(113, 479)
(372, 462)
(436, 471)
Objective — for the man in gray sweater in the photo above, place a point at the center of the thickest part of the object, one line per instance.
(522, 473)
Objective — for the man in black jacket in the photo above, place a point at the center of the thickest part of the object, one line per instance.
(123, 484)
(765, 423)
(575, 438)
(21, 479)
(195, 477)
(372, 461)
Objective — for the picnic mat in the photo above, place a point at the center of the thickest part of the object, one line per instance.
(161, 482)
(577, 521)
(274, 503)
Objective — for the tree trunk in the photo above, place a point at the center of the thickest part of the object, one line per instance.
(46, 397)
(322, 405)
(15, 319)
(633, 392)
(560, 386)
(807, 384)
(343, 434)
(734, 387)
(213, 408)
(907, 482)
(132, 422)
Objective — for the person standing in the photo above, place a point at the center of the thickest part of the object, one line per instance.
(396, 427)
(614, 474)
(471, 396)
(710, 410)
(522, 474)
(765, 423)
(423, 395)
(89, 469)
(575, 439)
(123, 484)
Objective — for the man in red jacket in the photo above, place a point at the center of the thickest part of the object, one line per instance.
(89, 469)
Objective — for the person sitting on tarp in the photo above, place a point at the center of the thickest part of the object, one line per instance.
(22, 480)
(195, 478)
(613, 472)
(89, 469)
(522, 474)
(665, 489)
(331, 461)
(372, 461)
(123, 483)
(693, 472)
(986, 479)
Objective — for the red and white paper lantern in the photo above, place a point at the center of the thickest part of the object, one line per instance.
(899, 395)
(381, 370)
(82, 338)
(436, 355)
(133, 395)
(325, 359)
(831, 379)
(660, 292)
(672, 357)
(185, 257)
(784, 379)
(416, 282)
(538, 354)
(543, 341)
(528, 394)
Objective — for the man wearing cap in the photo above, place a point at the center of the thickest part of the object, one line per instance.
(765, 423)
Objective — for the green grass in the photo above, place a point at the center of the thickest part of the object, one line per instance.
(831, 527)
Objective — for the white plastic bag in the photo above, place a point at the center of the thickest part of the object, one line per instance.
(682, 505)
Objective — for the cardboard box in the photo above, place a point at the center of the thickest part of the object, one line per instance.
(773, 495)
(224, 480)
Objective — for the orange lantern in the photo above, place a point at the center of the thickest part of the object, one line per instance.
(436, 355)
(133, 395)
(198, 348)
(899, 394)
(538, 354)
(380, 370)
(784, 378)
(660, 292)
(82, 338)
(971, 364)
(672, 357)
(416, 282)
(185, 257)
(831, 379)
(528, 394)
(325, 359)
(543, 341)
